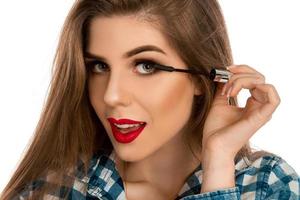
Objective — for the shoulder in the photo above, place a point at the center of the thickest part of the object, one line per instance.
(73, 184)
(269, 176)
(44, 188)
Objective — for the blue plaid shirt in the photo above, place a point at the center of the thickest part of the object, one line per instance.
(268, 177)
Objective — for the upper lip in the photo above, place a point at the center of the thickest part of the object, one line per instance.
(123, 121)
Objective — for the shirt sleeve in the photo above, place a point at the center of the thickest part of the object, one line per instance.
(33, 190)
(283, 182)
(275, 179)
(28, 191)
(223, 194)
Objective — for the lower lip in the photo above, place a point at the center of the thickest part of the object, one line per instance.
(126, 137)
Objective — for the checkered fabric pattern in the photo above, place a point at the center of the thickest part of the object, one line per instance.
(268, 177)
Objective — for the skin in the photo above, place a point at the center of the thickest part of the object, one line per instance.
(164, 101)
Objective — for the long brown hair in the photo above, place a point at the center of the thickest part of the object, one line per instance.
(68, 126)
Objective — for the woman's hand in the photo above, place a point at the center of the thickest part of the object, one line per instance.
(228, 128)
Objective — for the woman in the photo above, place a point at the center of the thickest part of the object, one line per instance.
(118, 125)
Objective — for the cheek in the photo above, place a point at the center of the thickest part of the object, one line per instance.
(176, 98)
(170, 105)
(95, 95)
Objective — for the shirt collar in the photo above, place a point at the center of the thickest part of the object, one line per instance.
(102, 171)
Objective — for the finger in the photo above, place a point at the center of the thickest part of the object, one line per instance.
(239, 69)
(220, 99)
(259, 96)
(241, 75)
(247, 82)
(242, 68)
(273, 100)
(234, 77)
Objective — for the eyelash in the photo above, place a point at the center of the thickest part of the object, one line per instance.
(149, 62)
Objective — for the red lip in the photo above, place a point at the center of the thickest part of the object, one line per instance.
(127, 137)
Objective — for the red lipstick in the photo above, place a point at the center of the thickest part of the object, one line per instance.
(125, 137)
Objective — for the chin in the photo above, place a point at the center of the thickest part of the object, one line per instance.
(130, 154)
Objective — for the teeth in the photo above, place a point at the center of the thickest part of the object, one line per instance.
(127, 125)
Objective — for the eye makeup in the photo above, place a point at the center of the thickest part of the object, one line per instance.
(146, 65)
(216, 74)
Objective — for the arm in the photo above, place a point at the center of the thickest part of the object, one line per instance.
(218, 180)
(228, 128)
(268, 178)
(218, 172)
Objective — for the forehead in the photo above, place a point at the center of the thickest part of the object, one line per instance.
(118, 34)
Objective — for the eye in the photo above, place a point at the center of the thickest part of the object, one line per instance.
(96, 66)
(145, 67)
(142, 66)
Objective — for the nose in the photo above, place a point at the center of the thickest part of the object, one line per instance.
(116, 93)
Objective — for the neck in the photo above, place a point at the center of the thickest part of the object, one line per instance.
(166, 169)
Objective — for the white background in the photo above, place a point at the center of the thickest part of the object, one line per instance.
(264, 34)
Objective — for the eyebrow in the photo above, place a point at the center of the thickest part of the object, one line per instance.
(130, 53)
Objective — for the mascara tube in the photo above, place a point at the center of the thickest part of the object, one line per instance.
(222, 76)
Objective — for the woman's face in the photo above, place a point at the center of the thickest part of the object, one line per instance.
(119, 87)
